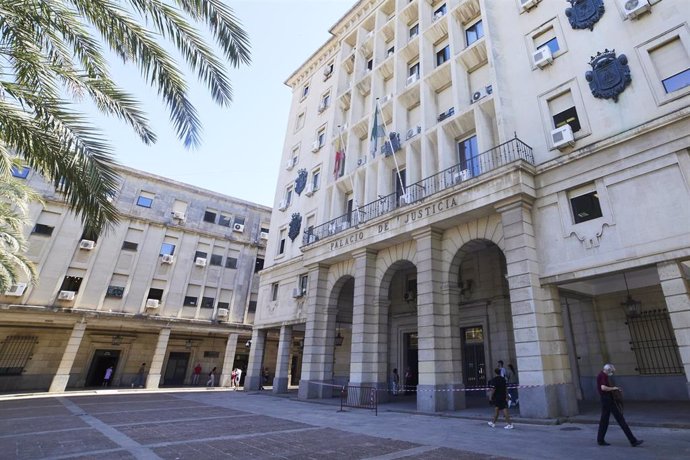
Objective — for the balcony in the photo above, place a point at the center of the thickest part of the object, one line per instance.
(509, 152)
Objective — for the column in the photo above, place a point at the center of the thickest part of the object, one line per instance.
(674, 278)
(439, 361)
(256, 359)
(61, 377)
(280, 381)
(228, 360)
(368, 362)
(319, 338)
(154, 377)
(540, 344)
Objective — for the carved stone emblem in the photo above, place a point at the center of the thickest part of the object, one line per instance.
(295, 225)
(301, 181)
(583, 14)
(609, 75)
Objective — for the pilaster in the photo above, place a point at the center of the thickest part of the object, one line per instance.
(280, 381)
(61, 377)
(154, 378)
(228, 360)
(256, 358)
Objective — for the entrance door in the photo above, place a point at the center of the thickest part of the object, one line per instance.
(102, 360)
(400, 183)
(474, 369)
(176, 369)
(410, 375)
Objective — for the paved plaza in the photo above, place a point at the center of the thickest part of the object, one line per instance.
(224, 424)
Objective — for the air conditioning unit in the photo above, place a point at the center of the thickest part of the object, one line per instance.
(322, 106)
(409, 296)
(263, 235)
(438, 15)
(563, 137)
(528, 4)
(412, 132)
(200, 262)
(87, 244)
(634, 8)
(386, 98)
(66, 295)
(152, 303)
(412, 78)
(443, 115)
(297, 293)
(481, 94)
(179, 215)
(283, 205)
(238, 228)
(16, 290)
(328, 70)
(309, 190)
(361, 161)
(167, 259)
(222, 313)
(315, 146)
(542, 57)
(291, 163)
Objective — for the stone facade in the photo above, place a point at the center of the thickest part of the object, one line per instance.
(537, 211)
(175, 283)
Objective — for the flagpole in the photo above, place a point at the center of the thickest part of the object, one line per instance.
(390, 145)
(352, 184)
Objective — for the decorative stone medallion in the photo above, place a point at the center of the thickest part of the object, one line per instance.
(301, 181)
(295, 225)
(583, 14)
(609, 75)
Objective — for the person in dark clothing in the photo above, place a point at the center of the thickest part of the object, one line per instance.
(499, 399)
(609, 406)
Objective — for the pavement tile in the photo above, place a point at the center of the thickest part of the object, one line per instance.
(127, 415)
(443, 453)
(53, 445)
(39, 424)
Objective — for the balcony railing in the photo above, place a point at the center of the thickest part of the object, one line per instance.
(506, 153)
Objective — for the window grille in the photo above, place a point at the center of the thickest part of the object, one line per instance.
(15, 352)
(654, 344)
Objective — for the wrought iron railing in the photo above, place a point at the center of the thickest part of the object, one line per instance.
(654, 343)
(506, 153)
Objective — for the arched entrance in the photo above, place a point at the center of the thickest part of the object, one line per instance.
(342, 298)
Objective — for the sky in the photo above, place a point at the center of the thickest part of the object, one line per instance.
(242, 144)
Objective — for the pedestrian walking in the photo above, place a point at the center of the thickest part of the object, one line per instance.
(502, 369)
(395, 382)
(233, 376)
(139, 379)
(499, 398)
(512, 381)
(610, 397)
(108, 375)
(238, 377)
(211, 382)
(197, 373)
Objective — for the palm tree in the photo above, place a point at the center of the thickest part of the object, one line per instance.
(52, 55)
(14, 198)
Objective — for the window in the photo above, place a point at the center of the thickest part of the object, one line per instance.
(321, 137)
(584, 203)
(231, 262)
(552, 44)
(442, 55)
(190, 301)
(115, 291)
(20, 172)
(414, 31)
(225, 220)
(71, 283)
(41, 229)
(217, 260)
(15, 352)
(288, 195)
(440, 11)
(167, 249)
(258, 265)
(390, 51)
(145, 199)
(224, 305)
(210, 216)
(474, 32)
(468, 155)
(252, 307)
(156, 294)
(672, 63)
(414, 69)
(370, 64)
(201, 254)
(305, 91)
(568, 116)
(239, 220)
(282, 241)
(299, 124)
(654, 343)
(326, 100)
(316, 178)
(303, 283)
(129, 246)
(207, 302)
(274, 292)
(327, 71)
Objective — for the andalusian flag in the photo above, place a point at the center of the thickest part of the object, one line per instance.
(377, 131)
